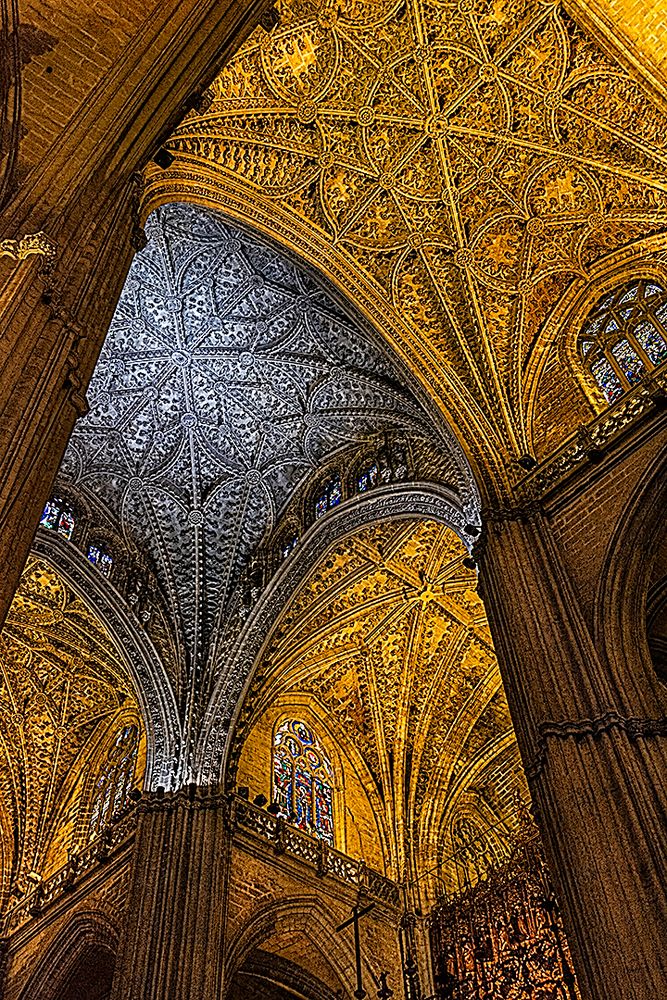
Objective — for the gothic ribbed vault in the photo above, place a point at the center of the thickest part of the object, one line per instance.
(388, 645)
(457, 166)
(228, 377)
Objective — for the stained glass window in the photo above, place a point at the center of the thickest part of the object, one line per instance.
(329, 496)
(58, 517)
(114, 783)
(289, 544)
(367, 478)
(625, 336)
(303, 780)
(98, 557)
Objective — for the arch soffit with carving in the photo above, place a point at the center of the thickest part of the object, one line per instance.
(309, 915)
(620, 603)
(85, 930)
(151, 683)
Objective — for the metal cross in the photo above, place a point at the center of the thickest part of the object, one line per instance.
(357, 913)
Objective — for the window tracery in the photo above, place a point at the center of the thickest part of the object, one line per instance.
(625, 336)
(58, 517)
(114, 782)
(328, 496)
(303, 780)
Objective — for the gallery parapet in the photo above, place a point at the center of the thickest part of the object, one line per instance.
(326, 861)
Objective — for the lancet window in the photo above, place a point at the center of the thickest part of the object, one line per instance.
(625, 336)
(58, 517)
(303, 780)
(114, 783)
(328, 496)
(99, 557)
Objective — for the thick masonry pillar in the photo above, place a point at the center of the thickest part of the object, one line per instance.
(172, 943)
(594, 749)
(83, 198)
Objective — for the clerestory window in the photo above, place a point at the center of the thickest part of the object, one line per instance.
(625, 337)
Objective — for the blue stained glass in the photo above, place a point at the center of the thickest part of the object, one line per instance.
(289, 546)
(612, 326)
(302, 780)
(98, 557)
(335, 493)
(607, 379)
(651, 341)
(368, 478)
(586, 346)
(629, 361)
(50, 516)
(321, 505)
(626, 313)
(652, 290)
(630, 294)
(66, 524)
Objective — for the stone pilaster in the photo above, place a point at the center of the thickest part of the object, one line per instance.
(172, 944)
(595, 754)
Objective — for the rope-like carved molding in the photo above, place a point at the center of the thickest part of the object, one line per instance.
(634, 728)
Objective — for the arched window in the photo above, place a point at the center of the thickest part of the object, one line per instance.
(625, 336)
(58, 517)
(114, 783)
(367, 477)
(100, 558)
(329, 496)
(303, 780)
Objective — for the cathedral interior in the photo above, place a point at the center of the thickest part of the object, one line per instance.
(333, 396)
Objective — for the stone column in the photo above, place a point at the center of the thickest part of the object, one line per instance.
(594, 750)
(172, 943)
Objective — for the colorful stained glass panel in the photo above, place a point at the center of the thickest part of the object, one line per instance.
(629, 361)
(651, 341)
(607, 379)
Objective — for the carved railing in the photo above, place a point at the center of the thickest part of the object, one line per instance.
(287, 839)
(65, 880)
(591, 441)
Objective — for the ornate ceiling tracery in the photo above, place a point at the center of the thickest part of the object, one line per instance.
(228, 376)
(390, 639)
(64, 690)
(465, 159)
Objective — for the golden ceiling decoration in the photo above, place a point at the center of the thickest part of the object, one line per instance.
(455, 163)
(389, 637)
(65, 690)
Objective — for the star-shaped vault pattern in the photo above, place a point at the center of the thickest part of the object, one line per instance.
(227, 378)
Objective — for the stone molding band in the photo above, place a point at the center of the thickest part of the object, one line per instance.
(634, 728)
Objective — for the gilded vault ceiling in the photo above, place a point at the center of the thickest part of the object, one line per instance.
(64, 690)
(228, 376)
(390, 639)
(454, 164)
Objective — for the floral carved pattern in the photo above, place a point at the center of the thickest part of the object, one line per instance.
(470, 158)
(227, 378)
